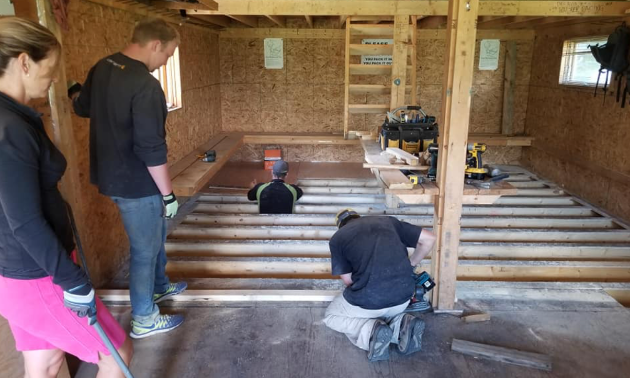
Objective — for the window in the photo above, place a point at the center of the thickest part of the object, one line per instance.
(169, 78)
(578, 66)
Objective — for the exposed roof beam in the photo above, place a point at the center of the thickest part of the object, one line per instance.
(342, 20)
(210, 4)
(309, 21)
(499, 21)
(251, 21)
(278, 20)
(216, 20)
(424, 7)
(182, 5)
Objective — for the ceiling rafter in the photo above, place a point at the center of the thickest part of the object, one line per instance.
(251, 21)
(278, 20)
(309, 21)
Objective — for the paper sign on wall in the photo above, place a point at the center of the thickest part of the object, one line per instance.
(274, 53)
(376, 59)
(489, 54)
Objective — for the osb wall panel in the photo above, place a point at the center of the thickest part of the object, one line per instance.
(299, 152)
(95, 32)
(569, 124)
(307, 95)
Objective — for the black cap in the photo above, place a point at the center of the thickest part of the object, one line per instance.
(280, 167)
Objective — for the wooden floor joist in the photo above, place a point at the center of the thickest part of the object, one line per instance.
(423, 221)
(538, 234)
(243, 208)
(467, 251)
(467, 270)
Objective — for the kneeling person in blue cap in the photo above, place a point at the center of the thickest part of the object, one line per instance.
(276, 196)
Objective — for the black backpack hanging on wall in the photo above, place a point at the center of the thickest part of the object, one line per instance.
(613, 58)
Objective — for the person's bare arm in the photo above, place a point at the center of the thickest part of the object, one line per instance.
(346, 278)
(161, 178)
(426, 241)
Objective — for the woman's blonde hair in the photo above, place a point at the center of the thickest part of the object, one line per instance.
(18, 35)
(154, 29)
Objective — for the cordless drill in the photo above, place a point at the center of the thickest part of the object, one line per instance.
(424, 284)
(433, 150)
(474, 165)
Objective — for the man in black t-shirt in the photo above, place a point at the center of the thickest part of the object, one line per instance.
(128, 163)
(370, 255)
(276, 196)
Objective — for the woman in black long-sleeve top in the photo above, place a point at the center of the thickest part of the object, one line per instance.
(37, 274)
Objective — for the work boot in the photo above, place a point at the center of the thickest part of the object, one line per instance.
(411, 330)
(173, 289)
(379, 342)
(161, 324)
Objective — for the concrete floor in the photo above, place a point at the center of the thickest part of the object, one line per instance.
(586, 333)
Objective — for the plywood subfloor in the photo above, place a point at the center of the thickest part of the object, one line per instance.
(241, 174)
(586, 334)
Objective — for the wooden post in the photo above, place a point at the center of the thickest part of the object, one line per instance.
(456, 98)
(507, 122)
(346, 114)
(399, 61)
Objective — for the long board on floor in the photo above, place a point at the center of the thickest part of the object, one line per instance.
(500, 354)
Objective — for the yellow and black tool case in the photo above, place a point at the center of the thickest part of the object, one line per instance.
(407, 128)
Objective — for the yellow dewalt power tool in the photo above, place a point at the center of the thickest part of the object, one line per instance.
(474, 165)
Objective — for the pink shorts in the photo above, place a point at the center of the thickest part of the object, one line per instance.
(39, 320)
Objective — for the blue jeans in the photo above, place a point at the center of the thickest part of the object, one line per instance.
(146, 228)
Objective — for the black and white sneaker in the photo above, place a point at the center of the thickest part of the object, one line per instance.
(379, 342)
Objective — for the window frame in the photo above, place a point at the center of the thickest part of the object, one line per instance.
(567, 61)
(169, 76)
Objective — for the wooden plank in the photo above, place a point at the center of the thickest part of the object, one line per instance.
(468, 270)
(278, 20)
(500, 140)
(346, 101)
(309, 21)
(373, 30)
(395, 180)
(251, 21)
(377, 209)
(192, 157)
(192, 179)
(368, 108)
(309, 198)
(306, 138)
(507, 120)
(397, 166)
(343, 182)
(528, 251)
(360, 49)
(499, 22)
(176, 5)
(205, 296)
(428, 8)
(399, 61)
(144, 10)
(500, 354)
(413, 49)
(476, 318)
(287, 33)
(459, 63)
(222, 21)
(369, 89)
(621, 295)
(403, 155)
(210, 4)
(468, 222)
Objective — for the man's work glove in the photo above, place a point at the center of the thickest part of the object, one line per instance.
(170, 205)
(73, 88)
(81, 300)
